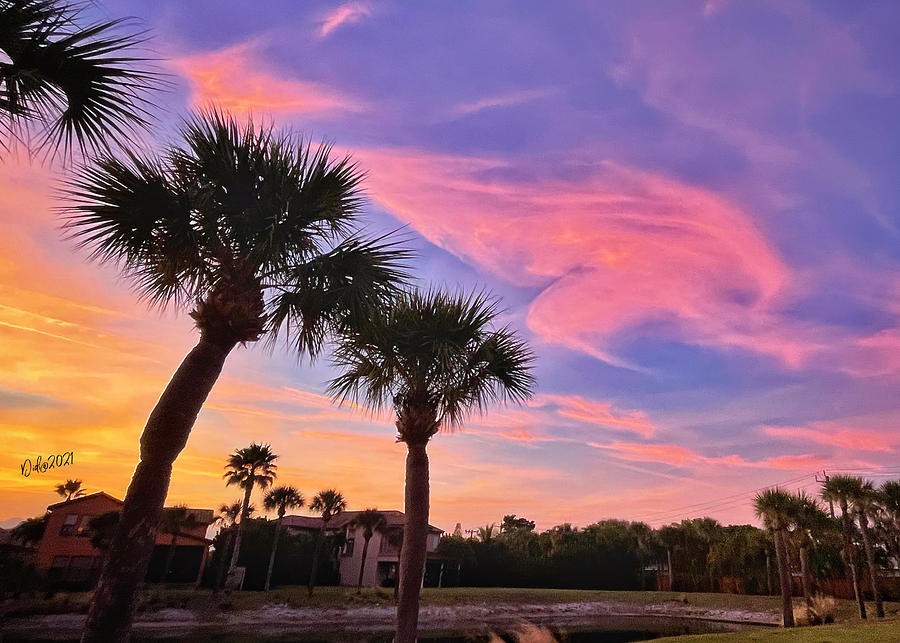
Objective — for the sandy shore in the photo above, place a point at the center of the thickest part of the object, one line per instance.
(270, 620)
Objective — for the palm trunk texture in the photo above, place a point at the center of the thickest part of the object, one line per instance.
(870, 562)
(315, 562)
(850, 559)
(412, 559)
(784, 577)
(272, 555)
(805, 576)
(165, 435)
(236, 552)
(362, 566)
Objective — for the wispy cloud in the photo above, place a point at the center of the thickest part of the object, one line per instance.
(345, 14)
(501, 100)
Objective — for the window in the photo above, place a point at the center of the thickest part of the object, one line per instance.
(82, 529)
(69, 525)
(348, 546)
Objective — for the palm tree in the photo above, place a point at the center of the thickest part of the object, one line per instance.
(669, 537)
(841, 489)
(70, 489)
(865, 506)
(810, 521)
(175, 520)
(280, 499)
(329, 503)
(248, 467)
(486, 533)
(30, 531)
(889, 495)
(253, 231)
(69, 78)
(228, 518)
(371, 521)
(775, 506)
(434, 356)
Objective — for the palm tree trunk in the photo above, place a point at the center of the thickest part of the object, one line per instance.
(412, 559)
(671, 569)
(169, 556)
(362, 566)
(399, 556)
(240, 532)
(870, 562)
(315, 561)
(768, 572)
(805, 576)
(220, 571)
(850, 559)
(784, 576)
(165, 435)
(272, 555)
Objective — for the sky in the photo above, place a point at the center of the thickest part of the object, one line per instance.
(690, 210)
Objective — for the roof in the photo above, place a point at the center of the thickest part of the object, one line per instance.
(393, 517)
(204, 516)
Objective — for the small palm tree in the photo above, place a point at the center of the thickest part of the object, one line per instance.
(252, 466)
(70, 489)
(280, 499)
(228, 518)
(30, 531)
(255, 233)
(841, 490)
(775, 507)
(865, 506)
(175, 520)
(486, 533)
(435, 357)
(371, 521)
(68, 78)
(328, 503)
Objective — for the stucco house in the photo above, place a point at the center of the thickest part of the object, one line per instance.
(65, 552)
(382, 559)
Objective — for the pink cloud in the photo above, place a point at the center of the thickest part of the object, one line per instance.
(232, 79)
(828, 433)
(345, 14)
(618, 248)
(597, 412)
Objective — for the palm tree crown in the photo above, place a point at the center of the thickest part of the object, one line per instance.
(229, 514)
(70, 489)
(329, 503)
(842, 489)
(282, 498)
(77, 81)
(371, 521)
(253, 228)
(435, 357)
(252, 466)
(775, 507)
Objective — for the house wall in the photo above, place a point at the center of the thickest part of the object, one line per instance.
(380, 551)
(70, 538)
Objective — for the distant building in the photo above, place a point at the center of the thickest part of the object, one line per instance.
(66, 554)
(382, 559)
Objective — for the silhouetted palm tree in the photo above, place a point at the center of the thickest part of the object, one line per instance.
(328, 503)
(865, 506)
(70, 78)
(841, 489)
(434, 356)
(70, 489)
(889, 496)
(775, 507)
(175, 521)
(228, 518)
(280, 499)
(371, 521)
(252, 466)
(810, 522)
(253, 231)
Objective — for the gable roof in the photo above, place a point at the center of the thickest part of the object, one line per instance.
(204, 516)
(393, 517)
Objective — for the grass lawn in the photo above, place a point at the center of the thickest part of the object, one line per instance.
(884, 632)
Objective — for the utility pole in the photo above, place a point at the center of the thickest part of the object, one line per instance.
(826, 479)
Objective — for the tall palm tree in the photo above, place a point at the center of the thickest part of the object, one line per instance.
(252, 466)
(864, 507)
(280, 499)
(841, 489)
(70, 489)
(64, 78)
(669, 537)
(255, 233)
(371, 521)
(889, 495)
(228, 518)
(775, 507)
(328, 503)
(175, 521)
(435, 357)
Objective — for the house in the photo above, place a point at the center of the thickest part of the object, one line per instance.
(65, 551)
(383, 556)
